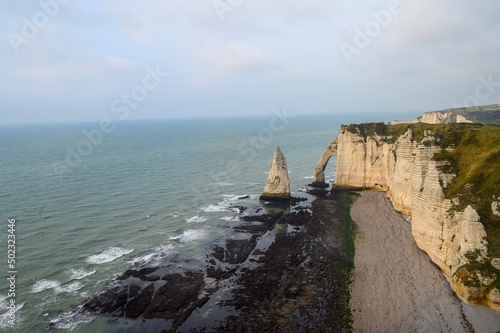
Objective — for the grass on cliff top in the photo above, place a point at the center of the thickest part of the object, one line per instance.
(475, 160)
(476, 163)
(448, 134)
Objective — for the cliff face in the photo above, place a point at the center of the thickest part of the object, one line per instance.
(486, 114)
(441, 117)
(415, 181)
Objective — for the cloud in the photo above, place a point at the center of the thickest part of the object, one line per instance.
(263, 52)
(56, 73)
(235, 57)
(38, 74)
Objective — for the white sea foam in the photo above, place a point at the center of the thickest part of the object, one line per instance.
(229, 218)
(189, 236)
(215, 208)
(78, 274)
(71, 320)
(43, 284)
(235, 197)
(68, 288)
(224, 205)
(222, 184)
(308, 177)
(108, 255)
(196, 218)
(156, 257)
(3, 303)
(5, 317)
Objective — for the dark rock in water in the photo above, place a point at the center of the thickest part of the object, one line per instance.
(177, 298)
(239, 249)
(277, 272)
(266, 218)
(239, 209)
(138, 303)
(143, 274)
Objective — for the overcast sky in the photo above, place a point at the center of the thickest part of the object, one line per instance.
(64, 60)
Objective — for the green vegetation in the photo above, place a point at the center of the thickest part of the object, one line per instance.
(467, 273)
(487, 114)
(476, 163)
(342, 319)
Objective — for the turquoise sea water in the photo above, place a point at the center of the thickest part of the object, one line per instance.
(144, 193)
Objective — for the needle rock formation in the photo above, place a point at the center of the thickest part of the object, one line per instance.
(278, 184)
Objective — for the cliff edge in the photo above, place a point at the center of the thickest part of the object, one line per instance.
(485, 114)
(446, 177)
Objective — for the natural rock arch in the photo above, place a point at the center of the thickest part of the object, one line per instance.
(319, 169)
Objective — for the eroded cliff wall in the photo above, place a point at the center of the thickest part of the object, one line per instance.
(405, 167)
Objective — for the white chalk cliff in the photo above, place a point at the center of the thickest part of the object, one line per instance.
(278, 184)
(414, 183)
(441, 117)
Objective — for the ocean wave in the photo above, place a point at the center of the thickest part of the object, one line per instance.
(5, 317)
(43, 284)
(68, 288)
(222, 184)
(3, 303)
(189, 236)
(154, 258)
(225, 204)
(235, 197)
(215, 208)
(308, 177)
(108, 255)
(229, 218)
(70, 320)
(197, 219)
(78, 274)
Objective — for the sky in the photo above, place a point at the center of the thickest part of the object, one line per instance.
(68, 60)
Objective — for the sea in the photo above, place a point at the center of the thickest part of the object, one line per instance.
(86, 201)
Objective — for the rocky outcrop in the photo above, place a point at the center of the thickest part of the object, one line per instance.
(495, 208)
(278, 184)
(441, 117)
(319, 169)
(405, 168)
(362, 162)
(486, 114)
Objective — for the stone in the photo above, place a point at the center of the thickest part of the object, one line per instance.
(441, 117)
(319, 169)
(278, 184)
(495, 207)
(494, 299)
(495, 262)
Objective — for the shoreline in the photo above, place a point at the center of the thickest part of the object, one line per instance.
(396, 287)
(282, 269)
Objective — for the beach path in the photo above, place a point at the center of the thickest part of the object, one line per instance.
(396, 287)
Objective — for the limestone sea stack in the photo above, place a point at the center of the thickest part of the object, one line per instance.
(278, 184)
